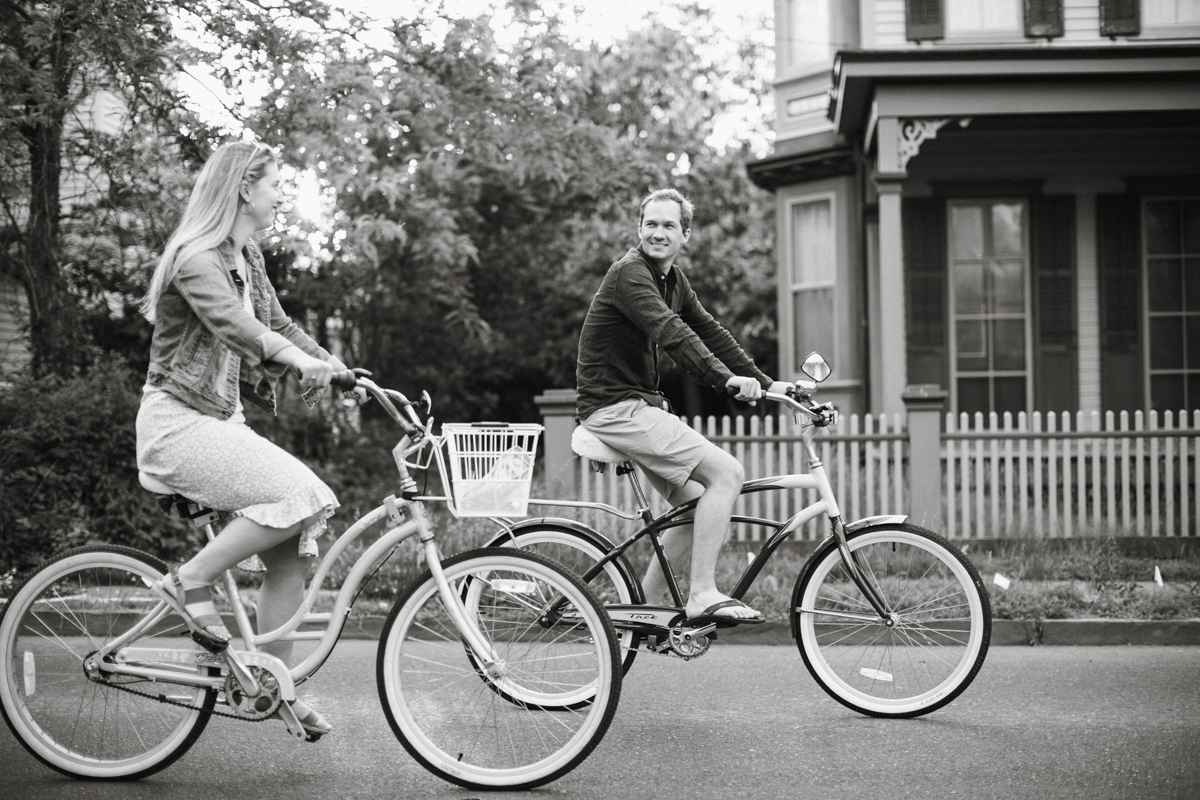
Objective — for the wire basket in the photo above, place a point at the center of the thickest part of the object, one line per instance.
(491, 467)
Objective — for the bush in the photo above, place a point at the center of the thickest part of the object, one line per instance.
(68, 469)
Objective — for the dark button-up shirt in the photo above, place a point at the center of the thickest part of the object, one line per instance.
(638, 310)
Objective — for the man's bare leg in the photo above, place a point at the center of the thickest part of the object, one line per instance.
(718, 481)
(677, 542)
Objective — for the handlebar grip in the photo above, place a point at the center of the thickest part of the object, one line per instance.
(345, 380)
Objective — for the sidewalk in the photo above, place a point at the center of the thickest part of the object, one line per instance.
(1004, 632)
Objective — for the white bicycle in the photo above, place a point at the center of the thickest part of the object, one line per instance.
(481, 684)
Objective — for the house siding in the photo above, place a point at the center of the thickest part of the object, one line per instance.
(14, 313)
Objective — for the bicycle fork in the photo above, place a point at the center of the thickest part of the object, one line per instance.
(849, 560)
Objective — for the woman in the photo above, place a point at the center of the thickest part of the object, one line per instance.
(221, 338)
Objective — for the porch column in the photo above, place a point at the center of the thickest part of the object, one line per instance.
(558, 419)
(890, 160)
(1087, 299)
(893, 338)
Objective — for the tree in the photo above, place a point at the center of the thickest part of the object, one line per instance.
(56, 55)
(482, 190)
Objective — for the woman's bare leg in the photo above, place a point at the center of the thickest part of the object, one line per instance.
(281, 593)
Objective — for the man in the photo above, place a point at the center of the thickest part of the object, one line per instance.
(645, 304)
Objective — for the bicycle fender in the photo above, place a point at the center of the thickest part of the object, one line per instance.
(592, 536)
(882, 519)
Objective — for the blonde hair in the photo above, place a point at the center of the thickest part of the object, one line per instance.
(210, 213)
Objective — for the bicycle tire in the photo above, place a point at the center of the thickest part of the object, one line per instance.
(80, 726)
(941, 631)
(577, 550)
(451, 718)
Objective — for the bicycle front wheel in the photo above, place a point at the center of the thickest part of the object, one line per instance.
(503, 724)
(102, 725)
(939, 629)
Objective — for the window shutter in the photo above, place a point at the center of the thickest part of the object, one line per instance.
(923, 19)
(1118, 251)
(1043, 18)
(1052, 255)
(1120, 17)
(924, 226)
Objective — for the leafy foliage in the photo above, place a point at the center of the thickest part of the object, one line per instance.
(482, 191)
(68, 471)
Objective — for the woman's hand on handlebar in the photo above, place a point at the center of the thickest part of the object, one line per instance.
(314, 373)
(345, 380)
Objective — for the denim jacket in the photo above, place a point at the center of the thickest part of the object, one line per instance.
(205, 346)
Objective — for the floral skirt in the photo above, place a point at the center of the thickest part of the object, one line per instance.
(223, 465)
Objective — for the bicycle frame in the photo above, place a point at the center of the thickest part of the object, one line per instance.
(816, 478)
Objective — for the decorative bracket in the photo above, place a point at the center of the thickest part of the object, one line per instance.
(915, 132)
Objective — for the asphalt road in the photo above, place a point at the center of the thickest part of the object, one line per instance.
(744, 721)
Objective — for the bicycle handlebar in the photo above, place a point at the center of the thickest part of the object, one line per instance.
(822, 414)
(349, 380)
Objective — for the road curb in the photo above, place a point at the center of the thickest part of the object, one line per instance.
(1005, 632)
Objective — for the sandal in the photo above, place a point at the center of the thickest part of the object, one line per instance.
(311, 720)
(207, 627)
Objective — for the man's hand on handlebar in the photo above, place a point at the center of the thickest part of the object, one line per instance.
(748, 390)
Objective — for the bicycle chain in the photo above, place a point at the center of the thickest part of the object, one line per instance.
(162, 698)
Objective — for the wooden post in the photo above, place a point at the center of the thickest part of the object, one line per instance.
(558, 418)
(924, 403)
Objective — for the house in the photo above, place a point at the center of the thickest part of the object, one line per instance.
(998, 197)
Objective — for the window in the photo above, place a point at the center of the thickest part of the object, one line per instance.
(1119, 18)
(1170, 12)
(980, 17)
(989, 306)
(1172, 253)
(812, 279)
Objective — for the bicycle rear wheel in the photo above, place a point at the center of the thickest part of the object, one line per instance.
(94, 726)
(505, 725)
(941, 622)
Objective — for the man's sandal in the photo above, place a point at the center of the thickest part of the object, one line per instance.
(710, 615)
(207, 628)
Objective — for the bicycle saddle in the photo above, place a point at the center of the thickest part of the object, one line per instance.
(170, 501)
(588, 446)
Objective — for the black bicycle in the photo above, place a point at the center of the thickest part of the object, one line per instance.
(891, 619)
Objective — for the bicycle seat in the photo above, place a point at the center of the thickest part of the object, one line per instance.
(588, 446)
(172, 501)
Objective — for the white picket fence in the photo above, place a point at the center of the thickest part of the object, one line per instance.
(769, 446)
(1062, 475)
(1039, 475)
